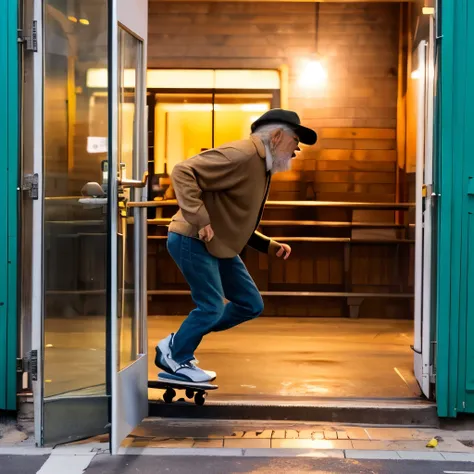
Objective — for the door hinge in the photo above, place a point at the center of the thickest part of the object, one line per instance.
(432, 374)
(30, 184)
(33, 364)
(31, 39)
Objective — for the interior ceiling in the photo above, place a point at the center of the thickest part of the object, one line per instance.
(297, 1)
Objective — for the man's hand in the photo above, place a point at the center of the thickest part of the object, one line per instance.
(285, 251)
(206, 233)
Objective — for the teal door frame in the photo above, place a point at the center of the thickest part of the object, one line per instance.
(455, 124)
(9, 209)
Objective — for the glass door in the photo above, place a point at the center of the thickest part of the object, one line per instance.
(68, 240)
(424, 290)
(127, 178)
(85, 152)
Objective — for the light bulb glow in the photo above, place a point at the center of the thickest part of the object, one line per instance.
(313, 75)
(84, 21)
(416, 74)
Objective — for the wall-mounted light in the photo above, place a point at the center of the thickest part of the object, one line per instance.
(313, 72)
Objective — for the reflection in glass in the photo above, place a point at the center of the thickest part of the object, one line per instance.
(129, 53)
(75, 236)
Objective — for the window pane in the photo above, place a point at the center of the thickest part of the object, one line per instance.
(75, 236)
(183, 128)
(234, 114)
(129, 52)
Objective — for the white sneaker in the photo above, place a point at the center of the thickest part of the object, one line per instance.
(211, 373)
(188, 371)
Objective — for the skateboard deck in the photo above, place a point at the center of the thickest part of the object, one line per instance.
(170, 383)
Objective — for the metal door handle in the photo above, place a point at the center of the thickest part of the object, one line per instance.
(134, 183)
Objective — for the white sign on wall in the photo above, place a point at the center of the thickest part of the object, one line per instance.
(97, 144)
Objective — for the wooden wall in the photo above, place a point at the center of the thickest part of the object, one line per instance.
(355, 158)
(355, 115)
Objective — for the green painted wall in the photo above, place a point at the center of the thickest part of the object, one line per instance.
(455, 306)
(9, 159)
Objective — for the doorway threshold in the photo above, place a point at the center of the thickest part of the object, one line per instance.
(374, 411)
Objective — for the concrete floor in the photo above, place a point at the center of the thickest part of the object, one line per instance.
(288, 358)
(104, 464)
(265, 359)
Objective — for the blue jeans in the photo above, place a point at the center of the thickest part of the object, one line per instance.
(211, 279)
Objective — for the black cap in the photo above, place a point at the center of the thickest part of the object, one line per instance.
(290, 118)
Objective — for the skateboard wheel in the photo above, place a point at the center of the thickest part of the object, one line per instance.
(189, 393)
(200, 398)
(169, 395)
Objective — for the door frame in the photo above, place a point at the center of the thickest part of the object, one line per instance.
(86, 416)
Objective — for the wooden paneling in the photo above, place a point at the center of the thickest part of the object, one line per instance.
(379, 268)
(355, 114)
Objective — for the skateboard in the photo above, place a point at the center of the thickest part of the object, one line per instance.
(171, 383)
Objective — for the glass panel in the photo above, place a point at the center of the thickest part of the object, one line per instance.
(75, 245)
(183, 128)
(234, 113)
(129, 52)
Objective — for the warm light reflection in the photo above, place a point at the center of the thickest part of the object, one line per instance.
(84, 21)
(195, 79)
(313, 75)
(254, 107)
(72, 18)
(416, 74)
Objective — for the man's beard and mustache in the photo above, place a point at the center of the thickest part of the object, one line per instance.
(281, 161)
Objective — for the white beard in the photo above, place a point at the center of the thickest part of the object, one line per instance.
(281, 165)
(277, 164)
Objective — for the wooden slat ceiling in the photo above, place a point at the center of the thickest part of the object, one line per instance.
(296, 1)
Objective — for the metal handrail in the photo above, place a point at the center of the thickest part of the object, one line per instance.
(385, 206)
(283, 223)
(317, 294)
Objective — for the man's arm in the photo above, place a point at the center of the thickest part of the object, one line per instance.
(264, 244)
(208, 171)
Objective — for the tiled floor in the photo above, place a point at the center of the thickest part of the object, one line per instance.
(285, 435)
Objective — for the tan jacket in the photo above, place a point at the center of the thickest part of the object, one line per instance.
(226, 187)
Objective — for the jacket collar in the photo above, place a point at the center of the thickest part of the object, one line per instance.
(263, 153)
(260, 147)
